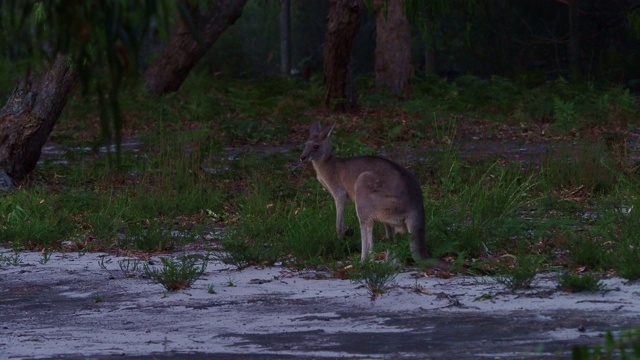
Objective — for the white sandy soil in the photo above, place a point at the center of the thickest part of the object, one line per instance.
(83, 305)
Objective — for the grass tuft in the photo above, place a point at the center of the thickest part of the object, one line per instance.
(130, 267)
(519, 272)
(177, 273)
(376, 276)
(572, 282)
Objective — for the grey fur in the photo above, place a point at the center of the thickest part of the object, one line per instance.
(381, 189)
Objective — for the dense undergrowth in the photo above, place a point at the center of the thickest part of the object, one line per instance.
(223, 153)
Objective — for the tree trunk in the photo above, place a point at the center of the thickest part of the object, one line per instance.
(430, 48)
(184, 50)
(574, 43)
(393, 46)
(28, 117)
(285, 37)
(342, 25)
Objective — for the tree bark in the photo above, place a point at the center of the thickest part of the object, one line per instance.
(184, 51)
(573, 47)
(430, 49)
(28, 117)
(342, 25)
(393, 46)
(285, 37)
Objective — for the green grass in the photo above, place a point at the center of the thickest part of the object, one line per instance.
(624, 244)
(572, 282)
(623, 345)
(35, 218)
(588, 252)
(185, 176)
(565, 105)
(133, 206)
(584, 166)
(481, 213)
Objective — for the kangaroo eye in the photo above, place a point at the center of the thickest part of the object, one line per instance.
(316, 146)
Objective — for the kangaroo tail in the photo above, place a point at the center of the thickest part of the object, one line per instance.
(419, 247)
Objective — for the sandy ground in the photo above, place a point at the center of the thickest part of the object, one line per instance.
(50, 311)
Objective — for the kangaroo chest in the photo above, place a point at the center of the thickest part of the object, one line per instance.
(330, 179)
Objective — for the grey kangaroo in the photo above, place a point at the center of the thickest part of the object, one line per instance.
(381, 190)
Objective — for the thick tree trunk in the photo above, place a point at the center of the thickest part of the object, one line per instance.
(342, 25)
(285, 37)
(393, 46)
(28, 117)
(184, 50)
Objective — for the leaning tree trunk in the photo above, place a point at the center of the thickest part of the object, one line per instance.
(28, 117)
(184, 51)
(393, 46)
(342, 25)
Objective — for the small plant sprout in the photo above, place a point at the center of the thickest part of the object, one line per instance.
(177, 273)
(211, 289)
(101, 262)
(98, 298)
(46, 256)
(486, 296)
(130, 267)
(231, 281)
(14, 259)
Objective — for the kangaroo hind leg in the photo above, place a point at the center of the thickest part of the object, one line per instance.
(366, 233)
(390, 231)
(366, 186)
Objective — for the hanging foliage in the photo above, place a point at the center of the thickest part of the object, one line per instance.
(102, 40)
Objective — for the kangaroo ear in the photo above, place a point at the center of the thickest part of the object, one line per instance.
(315, 128)
(327, 131)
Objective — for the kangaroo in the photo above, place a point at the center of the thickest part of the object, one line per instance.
(381, 189)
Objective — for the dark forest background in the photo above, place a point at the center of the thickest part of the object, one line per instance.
(524, 40)
(52, 50)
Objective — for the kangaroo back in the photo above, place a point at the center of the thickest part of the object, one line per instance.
(382, 190)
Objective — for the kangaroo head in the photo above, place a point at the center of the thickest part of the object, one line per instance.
(317, 146)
